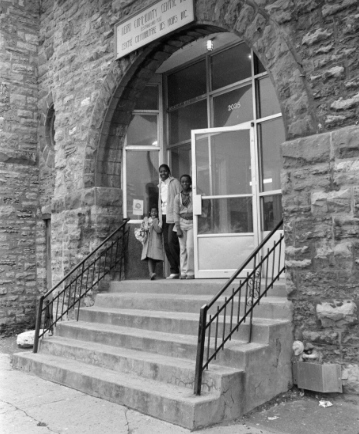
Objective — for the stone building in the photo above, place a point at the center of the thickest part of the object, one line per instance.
(83, 130)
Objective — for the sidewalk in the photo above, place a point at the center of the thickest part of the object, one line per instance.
(30, 405)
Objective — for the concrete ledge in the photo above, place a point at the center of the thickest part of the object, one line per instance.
(171, 403)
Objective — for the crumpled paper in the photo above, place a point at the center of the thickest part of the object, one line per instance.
(323, 403)
(298, 348)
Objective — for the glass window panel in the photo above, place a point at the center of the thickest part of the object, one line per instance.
(233, 107)
(226, 216)
(237, 248)
(202, 164)
(181, 162)
(224, 163)
(271, 135)
(142, 181)
(230, 66)
(187, 83)
(258, 67)
(266, 99)
(142, 131)
(185, 119)
(272, 211)
(148, 99)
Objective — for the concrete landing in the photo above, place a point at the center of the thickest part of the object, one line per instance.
(196, 286)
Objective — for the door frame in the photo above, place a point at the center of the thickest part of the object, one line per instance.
(197, 199)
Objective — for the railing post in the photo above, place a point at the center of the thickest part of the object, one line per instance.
(252, 298)
(200, 349)
(38, 324)
(125, 237)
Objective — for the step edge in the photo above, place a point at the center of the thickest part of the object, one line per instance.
(122, 378)
(132, 354)
(169, 314)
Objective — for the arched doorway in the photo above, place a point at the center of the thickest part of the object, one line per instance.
(214, 114)
(127, 79)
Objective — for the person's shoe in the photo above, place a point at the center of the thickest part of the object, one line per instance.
(173, 276)
(183, 276)
(153, 276)
(190, 276)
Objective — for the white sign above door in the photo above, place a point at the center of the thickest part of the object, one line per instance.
(151, 23)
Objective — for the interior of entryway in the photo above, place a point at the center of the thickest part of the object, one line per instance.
(215, 115)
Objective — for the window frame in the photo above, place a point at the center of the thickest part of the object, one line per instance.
(164, 148)
(154, 148)
(253, 79)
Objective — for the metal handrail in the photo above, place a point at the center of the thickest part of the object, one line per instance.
(250, 288)
(85, 276)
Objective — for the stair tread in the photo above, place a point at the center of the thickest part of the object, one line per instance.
(125, 379)
(172, 314)
(195, 286)
(140, 355)
(150, 334)
(210, 283)
(205, 298)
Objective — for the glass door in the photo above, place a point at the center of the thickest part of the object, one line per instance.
(225, 196)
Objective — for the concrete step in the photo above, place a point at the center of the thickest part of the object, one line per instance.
(269, 307)
(137, 346)
(177, 371)
(174, 322)
(235, 354)
(168, 402)
(208, 287)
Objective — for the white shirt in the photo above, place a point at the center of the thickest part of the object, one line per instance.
(164, 193)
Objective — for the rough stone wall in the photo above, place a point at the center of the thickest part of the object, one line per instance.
(324, 38)
(320, 199)
(75, 54)
(319, 184)
(19, 21)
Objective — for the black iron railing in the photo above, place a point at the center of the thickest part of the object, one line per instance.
(64, 299)
(217, 326)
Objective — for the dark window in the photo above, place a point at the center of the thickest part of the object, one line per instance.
(181, 161)
(50, 127)
(272, 211)
(267, 101)
(233, 107)
(230, 66)
(148, 99)
(187, 84)
(142, 131)
(226, 216)
(142, 180)
(185, 119)
(258, 67)
(271, 136)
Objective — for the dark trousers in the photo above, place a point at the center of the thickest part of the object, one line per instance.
(170, 241)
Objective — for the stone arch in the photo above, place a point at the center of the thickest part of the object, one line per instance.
(127, 78)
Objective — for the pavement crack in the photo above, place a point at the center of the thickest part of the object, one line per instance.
(129, 430)
(38, 422)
